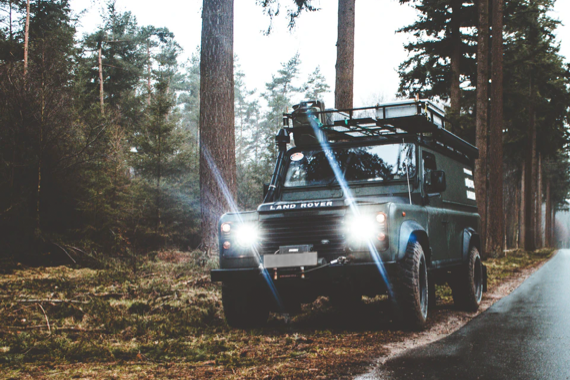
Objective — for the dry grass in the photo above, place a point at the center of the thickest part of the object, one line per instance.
(165, 320)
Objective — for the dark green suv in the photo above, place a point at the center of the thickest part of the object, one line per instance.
(375, 200)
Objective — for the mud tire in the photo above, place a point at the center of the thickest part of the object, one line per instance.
(411, 289)
(467, 283)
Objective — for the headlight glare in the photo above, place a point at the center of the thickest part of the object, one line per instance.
(361, 228)
(247, 235)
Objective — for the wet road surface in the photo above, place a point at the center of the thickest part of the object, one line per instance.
(525, 335)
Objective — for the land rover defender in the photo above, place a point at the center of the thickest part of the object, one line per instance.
(367, 201)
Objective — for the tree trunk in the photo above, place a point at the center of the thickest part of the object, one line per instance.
(26, 38)
(148, 84)
(522, 216)
(101, 93)
(10, 20)
(539, 241)
(553, 226)
(482, 127)
(495, 218)
(516, 213)
(530, 243)
(455, 92)
(218, 187)
(158, 178)
(548, 216)
(344, 88)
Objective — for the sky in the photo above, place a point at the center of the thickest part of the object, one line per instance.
(378, 48)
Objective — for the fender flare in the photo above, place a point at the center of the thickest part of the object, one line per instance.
(470, 237)
(407, 229)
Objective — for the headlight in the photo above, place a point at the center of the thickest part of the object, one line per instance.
(362, 228)
(247, 235)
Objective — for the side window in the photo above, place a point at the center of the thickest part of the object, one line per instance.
(428, 161)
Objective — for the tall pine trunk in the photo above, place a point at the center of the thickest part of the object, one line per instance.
(218, 187)
(532, 171)
(455, 58)
(101, 93)
(496, 228)
(344, 87)
(26, 37)
(149, 73)
(530, 242)
(481, 122)
(539, 241)
(523, 222)
(548, 216)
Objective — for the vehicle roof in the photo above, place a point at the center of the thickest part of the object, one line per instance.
(410, 119)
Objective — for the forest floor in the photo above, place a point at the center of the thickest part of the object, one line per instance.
(165, 320)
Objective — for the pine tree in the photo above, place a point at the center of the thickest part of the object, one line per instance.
(495, 230)
(442, 53)
(316, 85)
(344, 88)
(218, 185)
(482, 126)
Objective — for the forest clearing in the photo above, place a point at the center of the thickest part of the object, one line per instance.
(165, 320)
(123, 151)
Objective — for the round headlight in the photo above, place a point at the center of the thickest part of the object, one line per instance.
(380, 217)
(226, 228)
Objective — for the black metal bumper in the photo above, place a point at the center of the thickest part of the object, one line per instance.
(331, 272)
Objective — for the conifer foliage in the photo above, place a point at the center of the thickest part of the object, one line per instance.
(528, 108)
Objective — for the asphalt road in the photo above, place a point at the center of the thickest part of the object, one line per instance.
(525, 335)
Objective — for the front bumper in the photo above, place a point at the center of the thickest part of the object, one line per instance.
(367, 278)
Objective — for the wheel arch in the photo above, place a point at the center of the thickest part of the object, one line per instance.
(412, 231)
(470, 238)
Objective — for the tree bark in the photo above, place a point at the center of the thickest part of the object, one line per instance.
(495, 218)
(10, 20)
(455, 92)
(553, 226)
(522, 231)
(548, 216)
(514, 212)
(530, 243)
(101, 93)
(218, 187)
(539, 241)
(26, 38)
(481, 122)
(344, 88)
(148, 84)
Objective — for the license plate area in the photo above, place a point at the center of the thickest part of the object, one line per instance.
(290, 260)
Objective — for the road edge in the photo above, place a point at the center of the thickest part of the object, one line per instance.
(451, 324)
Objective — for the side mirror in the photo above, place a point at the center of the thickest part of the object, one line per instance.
(435, 182)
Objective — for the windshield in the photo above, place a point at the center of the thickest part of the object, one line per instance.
(379, 163)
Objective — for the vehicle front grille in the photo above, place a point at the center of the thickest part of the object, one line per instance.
(323, 232)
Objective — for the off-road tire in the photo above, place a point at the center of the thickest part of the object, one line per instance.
(243, 306)
(411, 288)
(467, 283)
(432, 303)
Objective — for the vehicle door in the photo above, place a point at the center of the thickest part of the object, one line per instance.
(437, 217)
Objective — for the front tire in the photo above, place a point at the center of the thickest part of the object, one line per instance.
(411, 290)
(243, 306)
(467, 283)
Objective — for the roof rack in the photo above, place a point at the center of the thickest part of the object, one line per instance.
(310, 119)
